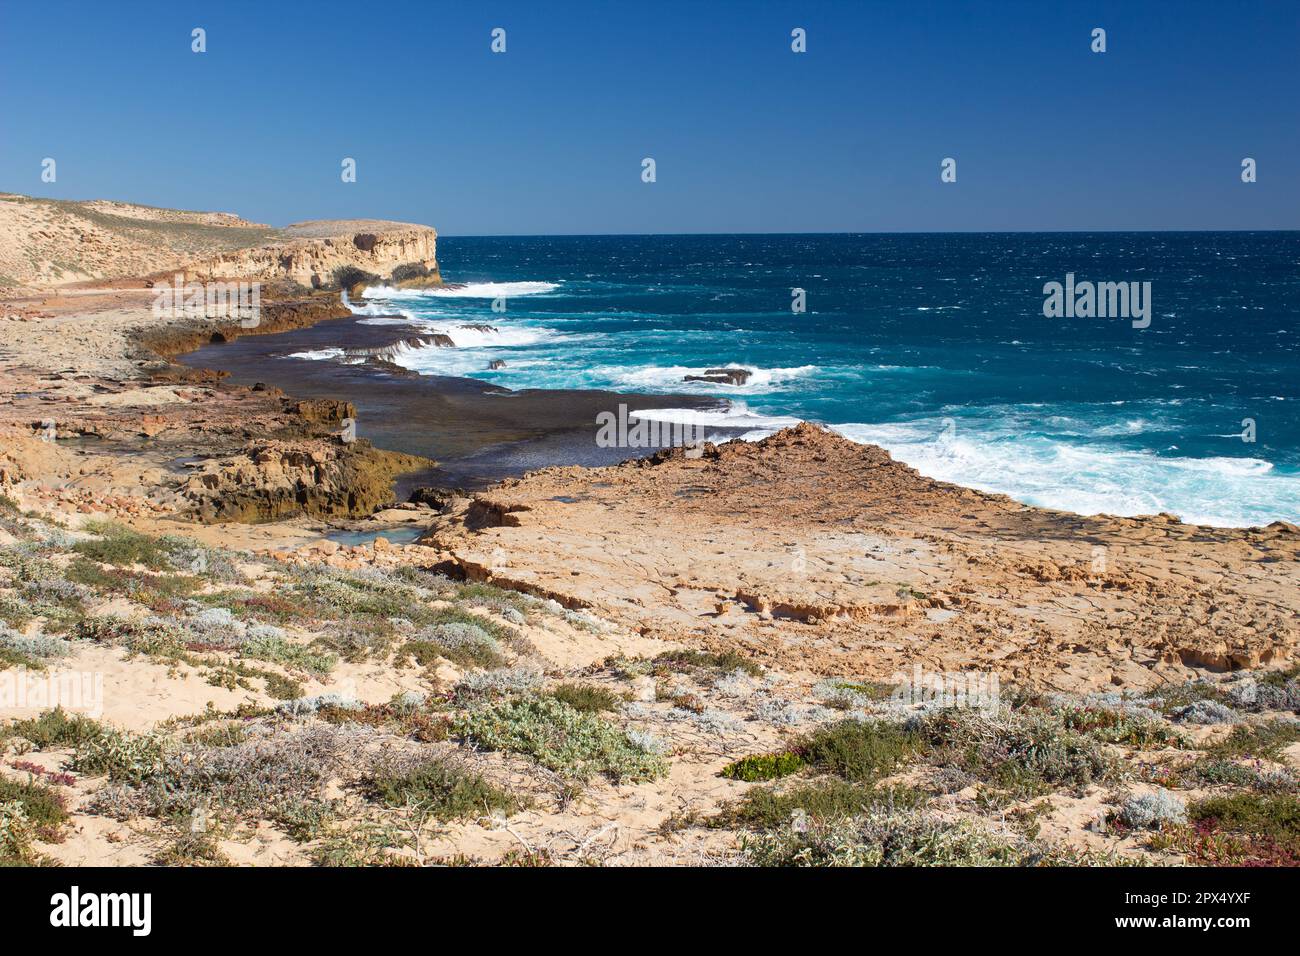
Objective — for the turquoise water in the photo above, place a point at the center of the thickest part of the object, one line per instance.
(934, 346)
(401, 535)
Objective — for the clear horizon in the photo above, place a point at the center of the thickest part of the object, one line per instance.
(748, 136)
(597, 235)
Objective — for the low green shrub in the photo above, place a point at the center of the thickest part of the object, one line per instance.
(1024, 751)
(441, 788)
(467, 644)
(363, 844)
(1269, 816)
(188, 848)
(54, 728)
(859, 750)
(277, 649)
(856, 750)
(17, 836)
(162, 593)
(725, 662)
(43, 807)
(586, 697)
(887, 837)
(12, 658)
(30, 650)
(764, 808)
(278, 776)
(851, 695)
(1117, 726)
(122, 755)
(765, 766)
(120, 546)
(1266, 741)
(572, 743)
(1242, 829)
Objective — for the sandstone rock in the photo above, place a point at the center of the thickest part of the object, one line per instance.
(820, 554)
(273, 479)
(294, 311)
(415, 275)
(435, 498)
(329, 411)
(315, 250)
(151, 425)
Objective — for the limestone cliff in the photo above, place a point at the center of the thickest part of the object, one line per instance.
(316, 249)
(51, 242)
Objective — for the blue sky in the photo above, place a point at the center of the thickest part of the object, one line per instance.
(747, 136)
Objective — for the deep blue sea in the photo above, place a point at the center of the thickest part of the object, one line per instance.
(933, 346)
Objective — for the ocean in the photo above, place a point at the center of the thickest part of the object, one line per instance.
(934, 346)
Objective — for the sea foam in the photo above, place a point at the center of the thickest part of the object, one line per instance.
(1090, 479)
(469, 290)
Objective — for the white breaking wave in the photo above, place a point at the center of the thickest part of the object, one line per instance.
(470, 290)
(467, 338)
(382, 313)
(1091, 479)
(1049, 460)
(460, 328)
(672, 378)
(735, 415)
(318, 355)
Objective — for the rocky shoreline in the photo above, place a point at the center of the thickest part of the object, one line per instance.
(182, 441)
(808, 550)
(796, 651)
(478, 431)
(185, 442)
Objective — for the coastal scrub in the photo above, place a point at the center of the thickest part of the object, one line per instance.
(572, 743)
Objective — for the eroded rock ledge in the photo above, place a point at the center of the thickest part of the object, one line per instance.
(296, 310)
(814, 552)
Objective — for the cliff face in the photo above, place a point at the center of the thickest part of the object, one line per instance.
(52, 242)
(377, 248)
